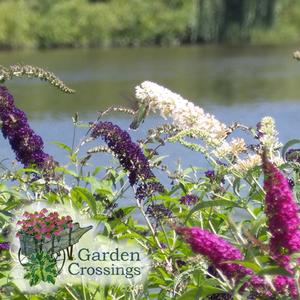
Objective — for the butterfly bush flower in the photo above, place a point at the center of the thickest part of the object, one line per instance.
(145, 190)
(218, 251)
(244, 165)
(189, 199)
(267, 134)
(281, 210)
(268, 138)
(158, 211)
(232, 148)
(283, 221)
(27, 145)
(130, 156)
(184, 113)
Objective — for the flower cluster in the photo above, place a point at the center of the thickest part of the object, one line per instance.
(27, 145)
(268, 138)
(244, 165)
(184, 113)
(43, 224)
(283, 221)
(145, 190)
(281, 210)
(219, 251)
(158, 211)
(129, 154)
(267, 134)
(189, 199)
(232, 148)
(215, 248)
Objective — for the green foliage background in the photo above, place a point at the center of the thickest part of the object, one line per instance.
(98, 23)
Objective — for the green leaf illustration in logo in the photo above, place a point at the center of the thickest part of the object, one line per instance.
(41, 267)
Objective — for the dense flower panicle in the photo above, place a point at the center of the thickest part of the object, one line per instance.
(146, 189)
(158, 211)
(285, 285)
(184, 113)
(233, 148)
(129, 154)
(283, 221)
(218, 251)
(246, 164)
(27, 145)
(189, 199)
(4, 246)
(215, 248)
(267, 134)
(281, 210)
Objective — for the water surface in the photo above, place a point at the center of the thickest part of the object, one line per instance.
(236, 83)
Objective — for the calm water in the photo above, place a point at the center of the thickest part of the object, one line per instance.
(234, 83)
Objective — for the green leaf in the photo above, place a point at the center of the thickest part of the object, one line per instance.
(211, 203)
(40, 267)
(80, 194)
(62, 146)
(200, 293)
(274, 270)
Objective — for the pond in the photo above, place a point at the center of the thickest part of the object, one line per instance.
(235, 83)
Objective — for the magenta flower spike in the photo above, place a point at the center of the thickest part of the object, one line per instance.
(216, 249)
(282, 212)
(283, 221)
(219, 252)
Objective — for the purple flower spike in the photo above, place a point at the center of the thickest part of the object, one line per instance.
(27, 145)
(128, 153)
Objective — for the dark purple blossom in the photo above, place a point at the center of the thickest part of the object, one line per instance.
(188, 199)
(213, 176)
(147, 189)
(129, 154)
(27, 145)
(210, 174)
(158, 211)
(4, 246)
